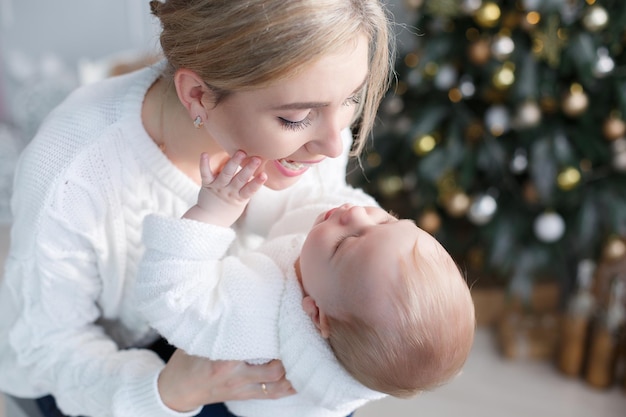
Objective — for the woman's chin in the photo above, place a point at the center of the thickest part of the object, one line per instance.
(280, 183)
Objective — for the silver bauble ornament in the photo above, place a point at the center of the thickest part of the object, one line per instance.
(497, 120)
(618, 147)
(604, 65)
(519, 162)
(482, 209)
(446, 77)
(502, 46)
(528, 115)
(595, 18)
(469, 7)
(549, 226)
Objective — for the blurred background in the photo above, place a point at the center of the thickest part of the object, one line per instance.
(504, 135)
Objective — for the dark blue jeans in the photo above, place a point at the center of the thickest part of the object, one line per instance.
(48, 405)
(48, 408)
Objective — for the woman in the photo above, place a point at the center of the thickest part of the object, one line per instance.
(279, 79)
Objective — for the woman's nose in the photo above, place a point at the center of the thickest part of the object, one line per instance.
(329, 141)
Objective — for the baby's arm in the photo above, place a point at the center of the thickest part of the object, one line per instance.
(193, 294)
(223, 197)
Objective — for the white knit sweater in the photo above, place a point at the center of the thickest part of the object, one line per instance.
(243, 308)
(82, 189)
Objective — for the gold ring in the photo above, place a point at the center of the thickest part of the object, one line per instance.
(264, 388)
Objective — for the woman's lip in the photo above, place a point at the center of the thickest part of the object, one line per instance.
(294, 173)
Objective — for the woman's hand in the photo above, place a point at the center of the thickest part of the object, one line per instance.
(188, 382)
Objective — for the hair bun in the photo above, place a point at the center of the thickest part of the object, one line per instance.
(155, 7)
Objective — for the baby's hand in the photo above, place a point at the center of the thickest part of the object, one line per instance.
(223, 197)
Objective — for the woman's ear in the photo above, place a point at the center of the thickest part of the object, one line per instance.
(318, 317)
(191, 90)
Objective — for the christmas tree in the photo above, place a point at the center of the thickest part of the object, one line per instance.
(504, 135)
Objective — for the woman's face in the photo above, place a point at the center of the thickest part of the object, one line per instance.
(297, 121)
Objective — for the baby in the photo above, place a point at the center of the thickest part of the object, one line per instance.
(364, 304)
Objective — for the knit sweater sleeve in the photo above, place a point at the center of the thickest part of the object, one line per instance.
(69, 260)
(53, 276)
(208, 304)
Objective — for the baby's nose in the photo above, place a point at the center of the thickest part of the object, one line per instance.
(355, 215)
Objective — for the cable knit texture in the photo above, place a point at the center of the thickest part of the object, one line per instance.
(82, 189)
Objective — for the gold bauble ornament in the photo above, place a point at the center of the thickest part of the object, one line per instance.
(613, 128)
(424, 144)
(575, 101)
(443, 8)
(415, 4)
(390, 186)
(373, 159)
(475, 131)
(488, 14)
(457, 204)
(430, 221)
(568, 178)
(548, 104)
(479, 51)
(614, 249)
(504, 77)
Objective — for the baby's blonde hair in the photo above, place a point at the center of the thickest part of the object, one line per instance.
(428, 339)
(236, 45)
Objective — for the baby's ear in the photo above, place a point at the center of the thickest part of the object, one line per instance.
(318, 317)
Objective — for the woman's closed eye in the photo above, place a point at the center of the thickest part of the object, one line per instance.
(295, 125)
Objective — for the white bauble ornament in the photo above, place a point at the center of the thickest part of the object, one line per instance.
(497, 120)
(519, 162)
(467, 87)
(604, 65)
(446, 77)
(482, 209)
(596, 18)
(528, 114)
(502, 46)
(470, 6)
(549, 227)
(619, 154)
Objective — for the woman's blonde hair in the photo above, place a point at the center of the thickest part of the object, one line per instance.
(237, 45)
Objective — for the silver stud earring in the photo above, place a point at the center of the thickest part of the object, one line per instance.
(197, 122)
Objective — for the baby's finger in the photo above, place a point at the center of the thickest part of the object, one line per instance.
(232, 165)
(229, 170)
(205, 170)
(252, 186)
(246, 173)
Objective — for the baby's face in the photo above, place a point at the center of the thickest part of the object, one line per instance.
(352, 255)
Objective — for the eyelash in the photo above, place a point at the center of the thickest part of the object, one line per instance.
(295, 126)
(341, 239)
(355, 99)
(306, 122)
